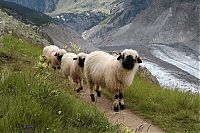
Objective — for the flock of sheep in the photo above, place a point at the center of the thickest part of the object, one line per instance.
(114, 72)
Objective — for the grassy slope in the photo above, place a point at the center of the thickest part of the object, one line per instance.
(33, 97)
(172, 110)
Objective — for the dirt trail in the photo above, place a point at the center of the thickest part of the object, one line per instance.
(126, 118)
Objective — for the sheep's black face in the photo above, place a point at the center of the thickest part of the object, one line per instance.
(59, 57)
(128, 62)
(81, 62)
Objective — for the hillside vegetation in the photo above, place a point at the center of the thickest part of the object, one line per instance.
(172, 110)
(43, 101)
(40, 100)
(25, 14)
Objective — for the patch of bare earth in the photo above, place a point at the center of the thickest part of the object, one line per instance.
(125, 118)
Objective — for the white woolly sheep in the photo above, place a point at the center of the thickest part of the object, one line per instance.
(66, 62)
(53, 55)
(114, 73)
(72, 67)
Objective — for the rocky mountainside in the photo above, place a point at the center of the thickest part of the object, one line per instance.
(63, 35)
(80, 15)
(165, 33)
(155, 22)
(63, 6)
(21, 21)
(80, 21)
(8, 24)
(25, 14)
(38, 5)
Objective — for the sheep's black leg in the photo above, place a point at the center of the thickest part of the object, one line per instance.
(54, 68)
(116, 103)
(79, 89)
(121, 101)
(92, 93)
(98, 90)
(92, 97)
(81, 86)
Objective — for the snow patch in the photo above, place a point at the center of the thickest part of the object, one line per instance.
(180, 59)
(166, 79)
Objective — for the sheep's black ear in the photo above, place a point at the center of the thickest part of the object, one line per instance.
(75, 58)
(139, 60)
(119, 57)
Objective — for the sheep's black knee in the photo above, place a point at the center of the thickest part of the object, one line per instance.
(92, 97)
(120, 95)
(116, 105)
(122, 107)
(98, 93)
(116, 96)
(116, 108)
(79, 89)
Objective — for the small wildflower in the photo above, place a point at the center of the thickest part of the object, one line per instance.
(59, 112)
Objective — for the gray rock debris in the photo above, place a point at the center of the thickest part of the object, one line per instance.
(12, 26)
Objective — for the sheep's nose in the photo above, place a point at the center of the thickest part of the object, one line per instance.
(81, 62)
(128, 62)
(129, 58)
(59, 57)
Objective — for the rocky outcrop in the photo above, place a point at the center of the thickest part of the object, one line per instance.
(145, 74)
(81, 21)
(10, 25)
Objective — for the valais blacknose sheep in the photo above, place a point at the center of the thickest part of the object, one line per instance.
(53, 55)
(115, 73)
(72, 67)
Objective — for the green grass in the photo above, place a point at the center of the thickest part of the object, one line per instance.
(39, 98)
(172, 110)
(31, 96)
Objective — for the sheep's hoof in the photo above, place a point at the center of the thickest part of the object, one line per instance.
(122, 107)
(79, 89)
(116, 108)
(54, 68)
(92, 97)
(98, 93)
(58, 68)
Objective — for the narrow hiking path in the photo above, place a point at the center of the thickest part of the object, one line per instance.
(125, 118)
